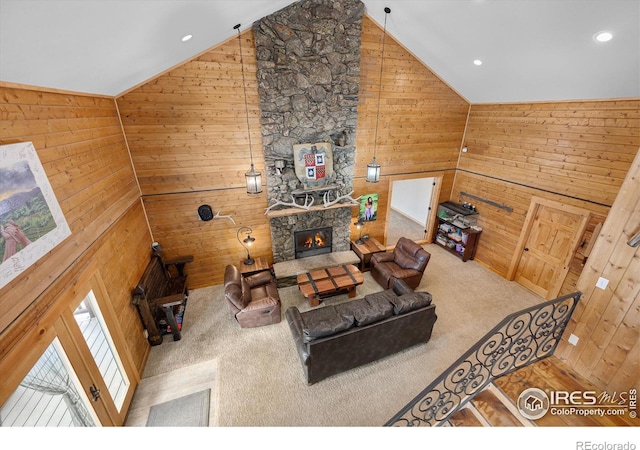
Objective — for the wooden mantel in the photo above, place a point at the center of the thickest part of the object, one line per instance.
(295, 211)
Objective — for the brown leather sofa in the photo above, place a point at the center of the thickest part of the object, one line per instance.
(407, 261)
(254, 300)
(335, 338)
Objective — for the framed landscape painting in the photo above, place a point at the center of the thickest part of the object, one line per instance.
(31, 221)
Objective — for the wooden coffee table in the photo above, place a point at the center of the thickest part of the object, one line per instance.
(323, 283)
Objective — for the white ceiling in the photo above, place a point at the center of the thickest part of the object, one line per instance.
(532, 50)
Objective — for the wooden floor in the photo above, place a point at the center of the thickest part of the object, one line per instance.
(496, 406)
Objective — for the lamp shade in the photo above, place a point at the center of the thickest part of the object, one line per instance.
(254, 181)
(373, 171)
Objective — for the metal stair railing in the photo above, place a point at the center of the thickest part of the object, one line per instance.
(520, 339)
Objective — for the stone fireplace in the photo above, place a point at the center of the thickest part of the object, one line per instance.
(308, 59)
(284, 228)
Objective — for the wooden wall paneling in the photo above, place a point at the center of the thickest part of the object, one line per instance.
(501, 228)
(187, 129)
(420, 123)
(576, 149)
(121, 253)
(606, 321)
(618, 332)
(82, 150)
(421, 119)
(176, 225)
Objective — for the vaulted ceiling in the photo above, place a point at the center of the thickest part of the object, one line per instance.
(531, 50)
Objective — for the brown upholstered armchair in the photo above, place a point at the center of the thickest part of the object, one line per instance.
(254, 300)
(407, 261)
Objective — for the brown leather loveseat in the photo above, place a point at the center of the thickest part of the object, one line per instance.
(407, 261)
(254, 300)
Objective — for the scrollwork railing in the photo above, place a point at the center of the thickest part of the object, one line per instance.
(522, 338)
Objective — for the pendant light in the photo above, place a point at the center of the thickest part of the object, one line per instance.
(253, 178)
(373, 168)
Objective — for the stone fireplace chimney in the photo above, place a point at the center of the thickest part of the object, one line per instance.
(308, 57)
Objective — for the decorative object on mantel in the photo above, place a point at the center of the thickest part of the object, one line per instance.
(338, 198)
(373, 168)
(252, 177)
(309, 199)
(307, 203)
(313, 164)
(246, 243)
(32, 221)
(205, 213)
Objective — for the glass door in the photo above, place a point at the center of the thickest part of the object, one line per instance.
(91, 322)
(50, 395)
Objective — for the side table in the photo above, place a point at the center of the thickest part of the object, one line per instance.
(260, 264)
(365, 250)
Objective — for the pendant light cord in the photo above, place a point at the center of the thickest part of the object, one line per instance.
(384, 35)
(244, 87)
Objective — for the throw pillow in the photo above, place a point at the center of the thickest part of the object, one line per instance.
(409, 302)
(322, 322)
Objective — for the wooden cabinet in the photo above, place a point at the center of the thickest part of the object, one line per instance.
(456, 230)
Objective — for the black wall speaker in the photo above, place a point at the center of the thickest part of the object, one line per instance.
(205, 213)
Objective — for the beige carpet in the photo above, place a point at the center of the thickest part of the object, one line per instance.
(259, 379)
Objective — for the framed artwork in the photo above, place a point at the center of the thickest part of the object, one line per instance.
(368, 207)
(31, 221)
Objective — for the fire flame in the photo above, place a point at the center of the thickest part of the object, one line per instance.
(319, 241)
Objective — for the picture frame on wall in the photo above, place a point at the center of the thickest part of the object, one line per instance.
(31, 220)
(368, 207)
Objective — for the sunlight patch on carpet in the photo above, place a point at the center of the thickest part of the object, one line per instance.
(188, 411)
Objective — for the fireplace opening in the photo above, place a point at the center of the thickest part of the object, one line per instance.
(312, 242)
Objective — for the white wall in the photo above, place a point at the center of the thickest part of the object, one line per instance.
(412, 198)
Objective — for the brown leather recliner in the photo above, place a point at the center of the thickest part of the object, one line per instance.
(254, 300)
(407, 261)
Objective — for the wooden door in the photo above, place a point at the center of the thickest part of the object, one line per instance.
(548, 241)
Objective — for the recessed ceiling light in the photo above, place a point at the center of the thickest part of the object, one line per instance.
(603, 36)
(477, 62)
(187, 37)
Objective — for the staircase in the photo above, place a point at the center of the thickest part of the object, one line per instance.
(489, 408)
(495, 405)
(482, 387)
(522, 339)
